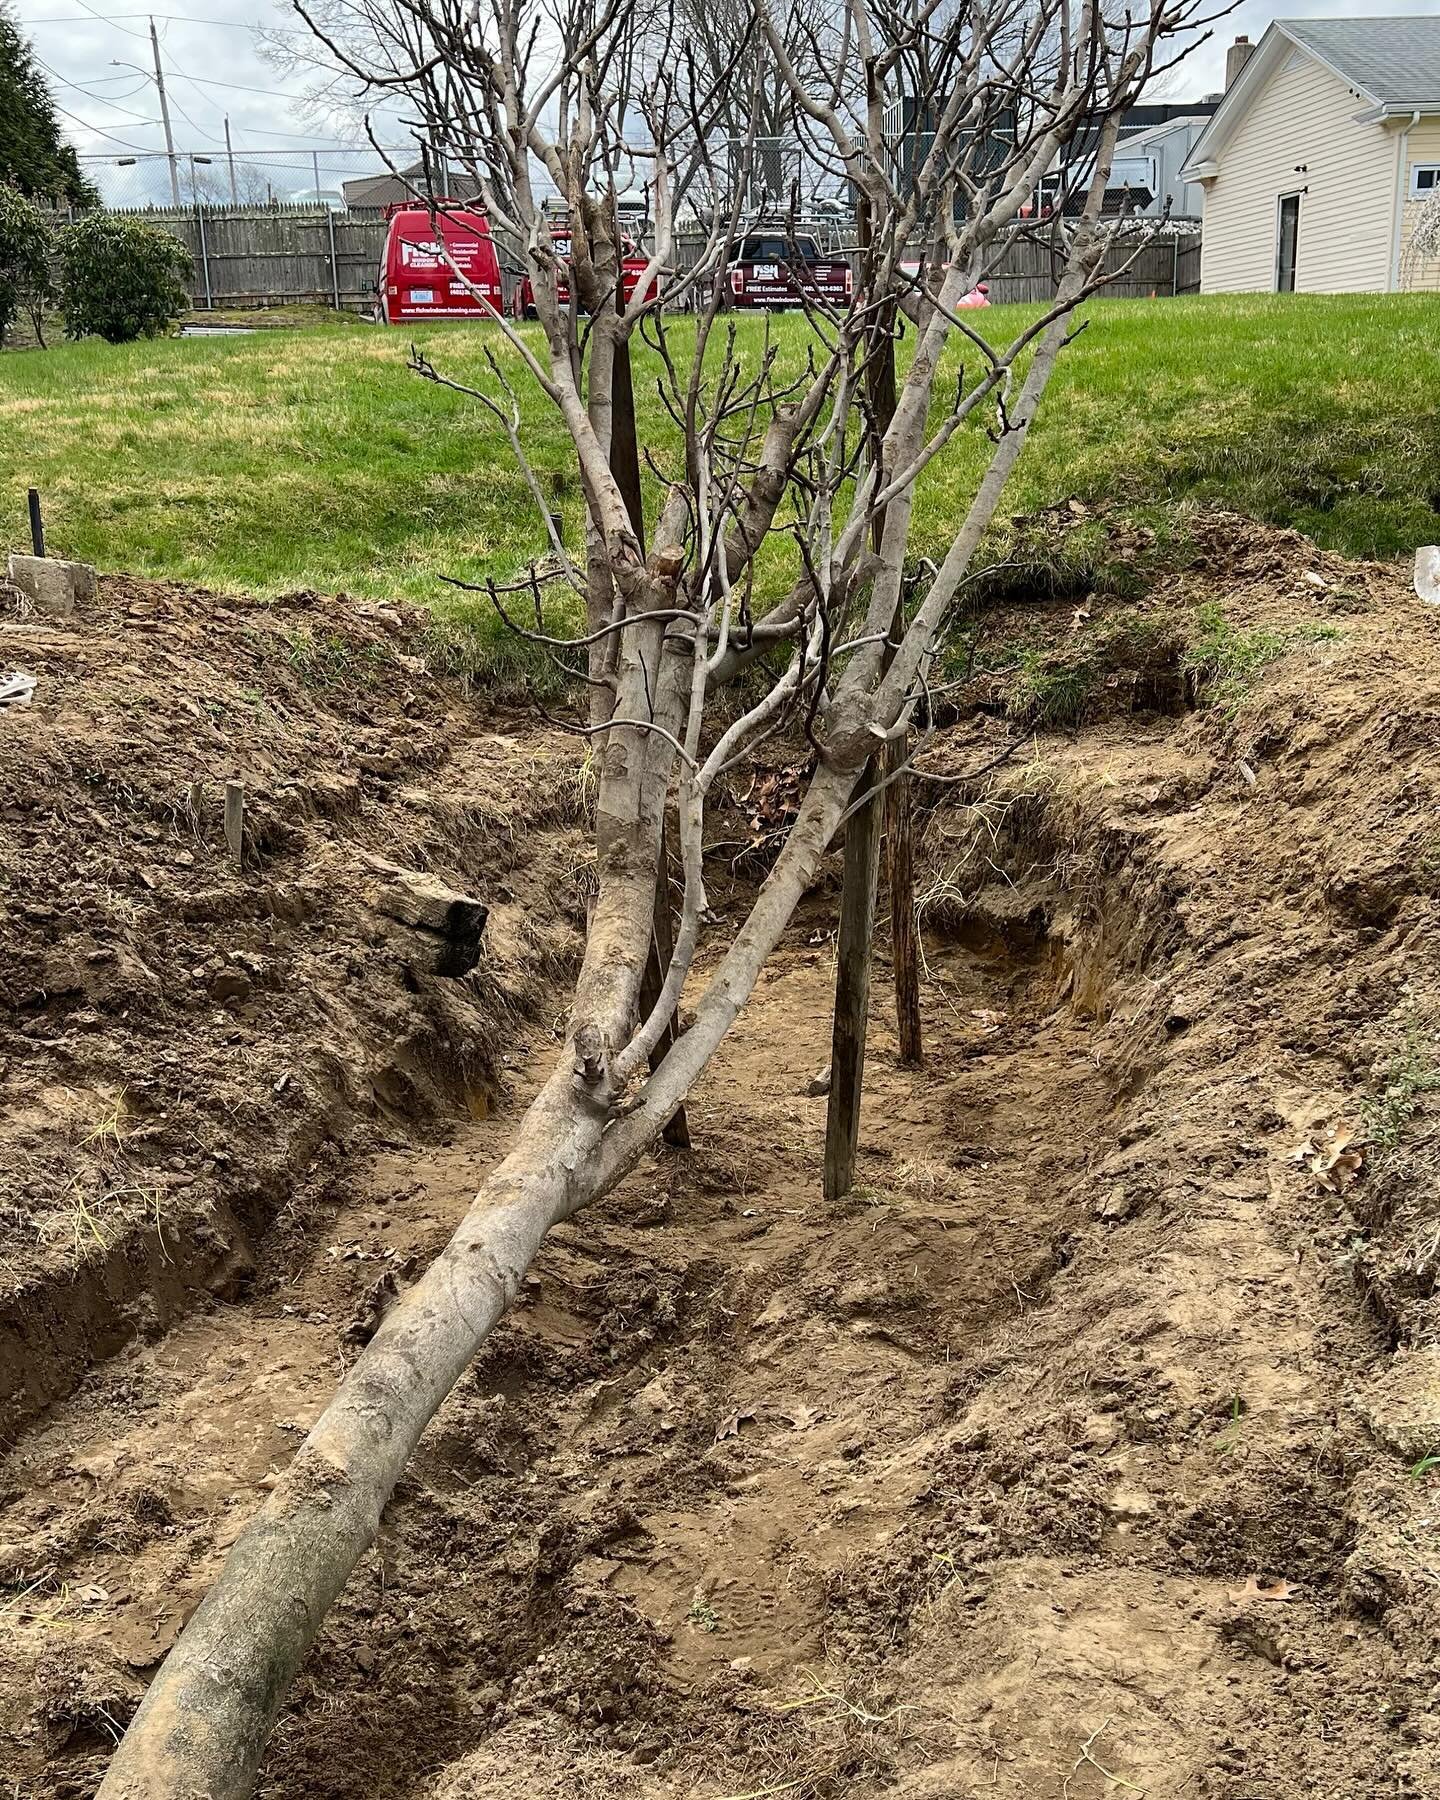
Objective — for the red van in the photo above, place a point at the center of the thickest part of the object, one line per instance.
(632, 272)
(416, 280)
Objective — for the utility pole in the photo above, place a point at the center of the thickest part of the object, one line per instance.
(165, 117)
(230, 158)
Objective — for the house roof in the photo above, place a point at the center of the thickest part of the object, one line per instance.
(1153, 133)
(1393, 64)
(389, 189)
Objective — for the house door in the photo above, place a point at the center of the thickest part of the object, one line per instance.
(1289, 243)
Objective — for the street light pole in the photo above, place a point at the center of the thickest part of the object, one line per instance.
(165, 117)
(230, 158)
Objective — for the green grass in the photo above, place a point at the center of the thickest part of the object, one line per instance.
(1226, 661)
(1412, 1071)
(292, 459)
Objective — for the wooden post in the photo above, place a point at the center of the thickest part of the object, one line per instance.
(900, 877)
(662, 948)
(862, 849)
(235, 821)
(852, 991)
(899, 848)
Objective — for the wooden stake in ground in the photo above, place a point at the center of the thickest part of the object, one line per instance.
(900, 877)
(852, 991)
(235, 821)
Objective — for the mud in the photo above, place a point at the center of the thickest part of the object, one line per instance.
(1082, 1451)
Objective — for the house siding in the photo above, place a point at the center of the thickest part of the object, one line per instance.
(1422, 146)
(1347, 212)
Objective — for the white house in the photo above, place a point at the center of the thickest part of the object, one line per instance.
(1319, 159)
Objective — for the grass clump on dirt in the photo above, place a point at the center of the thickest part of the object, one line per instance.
(1411, 1072)
(1050, 690)
(1225, 660)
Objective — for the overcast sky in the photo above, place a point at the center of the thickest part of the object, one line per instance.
(213, 67)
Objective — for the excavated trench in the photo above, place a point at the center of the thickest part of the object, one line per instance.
(1055, 1457)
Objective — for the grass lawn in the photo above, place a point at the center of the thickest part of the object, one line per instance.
(290, 459)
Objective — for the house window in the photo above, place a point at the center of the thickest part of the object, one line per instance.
(1424, 180)
(1288, 248)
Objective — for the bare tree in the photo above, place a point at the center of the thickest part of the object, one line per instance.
(815, 456)
(757, 102)
(360, 55)
(1423, 246)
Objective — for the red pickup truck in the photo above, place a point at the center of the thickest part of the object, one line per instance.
(775, 269)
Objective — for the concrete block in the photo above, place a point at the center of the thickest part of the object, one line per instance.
(53, 584)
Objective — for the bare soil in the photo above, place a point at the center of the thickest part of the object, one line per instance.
(1081, 1452)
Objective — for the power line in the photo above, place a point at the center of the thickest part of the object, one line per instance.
(104, 21)
(238, 87)
(165, 18)
(109, 135)
(210, 136)
(129, 112)
(100, 99)
(97, 81)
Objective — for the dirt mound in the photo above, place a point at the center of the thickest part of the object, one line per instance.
(1084, 1450)
(188, 1043)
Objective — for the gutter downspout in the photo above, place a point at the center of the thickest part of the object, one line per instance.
(1401, 198)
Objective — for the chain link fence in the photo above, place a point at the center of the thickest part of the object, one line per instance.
(337, 177)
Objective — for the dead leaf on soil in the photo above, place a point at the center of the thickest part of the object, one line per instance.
(990, 1022)
(730, 1428)
(1335, 1164)
(1254, 1589)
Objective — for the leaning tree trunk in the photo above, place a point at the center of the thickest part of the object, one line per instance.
(202, 1728)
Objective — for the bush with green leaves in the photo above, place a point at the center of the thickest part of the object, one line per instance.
(26, 247)
(121, 280)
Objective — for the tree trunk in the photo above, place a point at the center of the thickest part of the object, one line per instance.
(202, 1727)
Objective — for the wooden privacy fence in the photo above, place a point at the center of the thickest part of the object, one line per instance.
(268, 255)
(1168, 265)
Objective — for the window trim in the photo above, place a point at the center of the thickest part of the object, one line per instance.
(1418, 169)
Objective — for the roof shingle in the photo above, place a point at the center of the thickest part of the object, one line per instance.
(1396, 62)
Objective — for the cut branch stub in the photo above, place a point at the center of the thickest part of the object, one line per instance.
(443, 927)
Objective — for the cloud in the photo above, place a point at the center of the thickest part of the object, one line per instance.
(97, 57)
